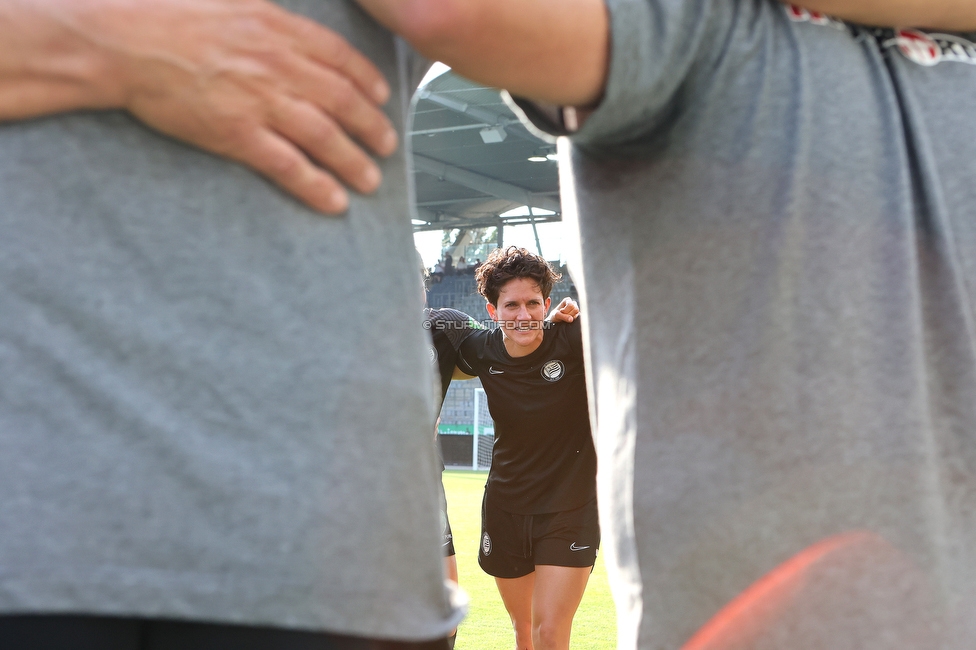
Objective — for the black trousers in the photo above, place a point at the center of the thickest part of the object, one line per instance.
(63, 632)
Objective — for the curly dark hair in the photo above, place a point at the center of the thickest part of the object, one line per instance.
(505, 264)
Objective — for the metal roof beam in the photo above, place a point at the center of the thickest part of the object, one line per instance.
(481, 199)
(450, 221)
(489, 118)
(472, 200)
(430, 216)
(484, 184)
(447, 129)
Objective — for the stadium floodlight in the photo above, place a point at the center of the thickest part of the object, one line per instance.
(493, 134)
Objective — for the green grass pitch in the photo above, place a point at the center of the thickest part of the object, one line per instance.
(487, 626)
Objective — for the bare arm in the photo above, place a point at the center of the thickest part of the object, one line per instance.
(950, 15)
(556, 51)
(549, 50)
(240, 78)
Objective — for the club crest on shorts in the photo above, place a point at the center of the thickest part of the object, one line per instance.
(553, 370)
(931, 49)
(917, 47)
(486, 545)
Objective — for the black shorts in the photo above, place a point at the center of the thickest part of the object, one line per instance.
(512, 545)
(66, 632)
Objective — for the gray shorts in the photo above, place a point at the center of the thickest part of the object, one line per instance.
(448, 539)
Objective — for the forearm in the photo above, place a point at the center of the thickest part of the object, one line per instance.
(243, 79)
(949, 15)
(549, 50)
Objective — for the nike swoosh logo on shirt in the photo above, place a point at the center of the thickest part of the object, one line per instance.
(492, 371)
(574, 547)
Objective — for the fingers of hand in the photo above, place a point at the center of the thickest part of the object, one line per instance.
(327, 97)
(282, 162)
(324, 140)
(347, 105)
(275, 91)
(331, 50)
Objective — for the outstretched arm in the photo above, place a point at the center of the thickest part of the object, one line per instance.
(553, 51)
(950, 15)
(244, 79)
(566, 311)
(556, 51)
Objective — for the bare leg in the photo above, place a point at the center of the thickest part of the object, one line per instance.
(557, 594)
(518, 597)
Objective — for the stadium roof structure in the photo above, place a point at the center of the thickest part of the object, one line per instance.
(475, 164)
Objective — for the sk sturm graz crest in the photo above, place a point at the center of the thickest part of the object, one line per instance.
(553, 370)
